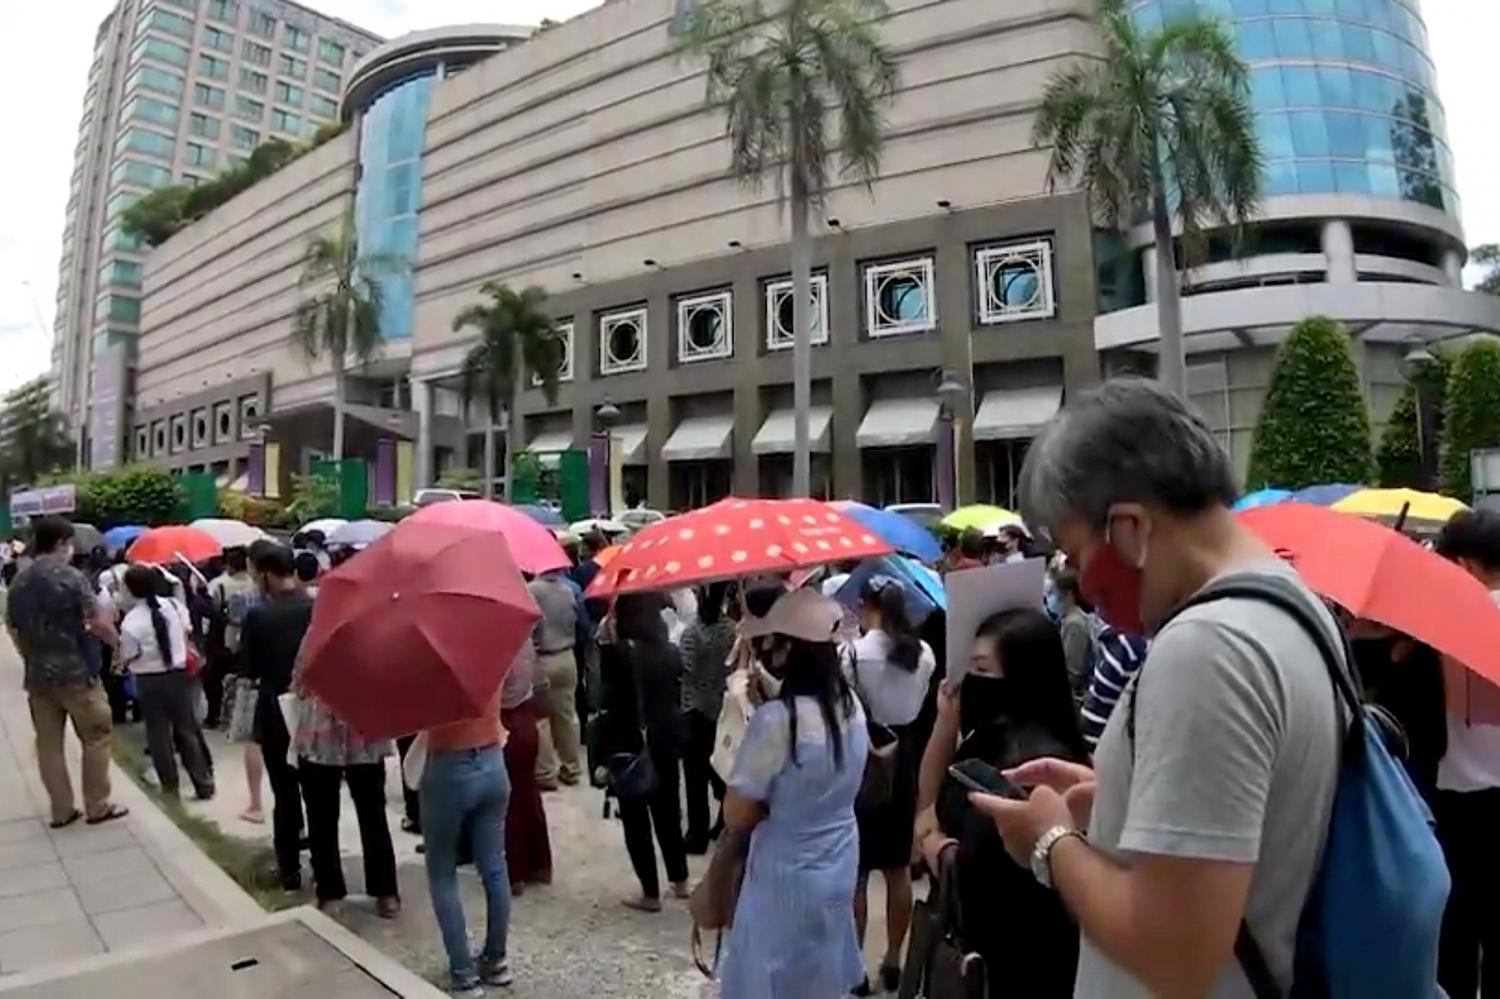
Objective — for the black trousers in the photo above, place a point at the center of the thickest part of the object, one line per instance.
(286, 801)
(699, 777)
(212, 678)
(411, 799)
(1469, 954)
(320, 792)
(166, 701)
(661, 810)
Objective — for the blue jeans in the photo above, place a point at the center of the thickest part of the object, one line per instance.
(466, 791)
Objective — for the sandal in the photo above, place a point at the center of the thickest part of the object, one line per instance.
(109, 815)
(73, 817)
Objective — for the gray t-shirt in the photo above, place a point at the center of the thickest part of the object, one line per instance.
(1236, 758)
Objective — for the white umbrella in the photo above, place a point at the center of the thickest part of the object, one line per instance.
(359, 533)
(325, 526)
(608, 528)
(230, 533)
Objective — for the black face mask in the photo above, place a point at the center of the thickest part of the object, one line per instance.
(983, 699)
(1372, 656)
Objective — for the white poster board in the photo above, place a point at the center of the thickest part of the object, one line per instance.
(975, 594)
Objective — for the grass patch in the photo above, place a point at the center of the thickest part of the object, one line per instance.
(252, 865)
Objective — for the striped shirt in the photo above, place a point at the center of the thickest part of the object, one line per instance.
(1116, 660)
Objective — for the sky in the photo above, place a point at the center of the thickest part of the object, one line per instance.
(43, 87)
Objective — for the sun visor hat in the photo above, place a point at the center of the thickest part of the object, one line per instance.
(804, 614)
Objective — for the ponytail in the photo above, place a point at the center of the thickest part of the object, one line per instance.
(906, 645)
(142, 582)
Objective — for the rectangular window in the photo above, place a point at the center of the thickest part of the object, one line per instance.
(141, 173)
(121, 272)
(288, 93)
(224, 10)
(262, 25)
(285, 121)
(118, 308)
(165, 20)
(218, 38)
(151, 78)
(152, 110)
(330, 52)
(236, 161)
(200, 155)
(113, 237)
(323, 107)
(325, 80)
(141, 140)
(296, 39)
(253, 81)
(255, 53)
(244, 138)
(213, 67)
(160, 48)
(203, 126)
(291, 66)
(248, 108)
(208, 97)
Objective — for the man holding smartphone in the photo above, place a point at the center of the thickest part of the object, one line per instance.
(1211, 794)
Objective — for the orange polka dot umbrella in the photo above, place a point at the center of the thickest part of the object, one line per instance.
(734, 538)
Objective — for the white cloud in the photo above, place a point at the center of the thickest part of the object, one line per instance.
(44, 85)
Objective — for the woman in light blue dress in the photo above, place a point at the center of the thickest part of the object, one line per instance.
(793, 783)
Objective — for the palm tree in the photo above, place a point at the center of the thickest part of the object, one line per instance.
(782, 78)
(38, 441)
(515, 338)
(342, 318)
(1162, 121)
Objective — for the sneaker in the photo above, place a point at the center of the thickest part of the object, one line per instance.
(470, 989)
(890, 977)
(497, 975)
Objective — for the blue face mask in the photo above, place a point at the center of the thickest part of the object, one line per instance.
(1052, 604)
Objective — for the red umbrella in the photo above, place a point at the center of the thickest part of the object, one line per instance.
(532, 546)
(417, 630)
(733, 538)
(1377, 574)
(166, 544)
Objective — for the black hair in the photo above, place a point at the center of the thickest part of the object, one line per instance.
(890, 601)
(594, 542)
(144, 583)
(306, 565)
(50, 533)
(815, 669)
(1066, 581)
(314, 539)
(1474, 535)
(971, 543)
(1030, 651)
(760, 596)
(236, 559)
(638, 618)
(273, 559)
(711, 602)
(8, 572)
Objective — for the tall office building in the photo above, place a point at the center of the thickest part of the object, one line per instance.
(178, 91)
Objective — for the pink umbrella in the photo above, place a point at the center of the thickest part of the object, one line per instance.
(532, 546)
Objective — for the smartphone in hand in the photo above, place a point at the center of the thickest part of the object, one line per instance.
(977, 775)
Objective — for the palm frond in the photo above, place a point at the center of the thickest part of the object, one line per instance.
(307, 328)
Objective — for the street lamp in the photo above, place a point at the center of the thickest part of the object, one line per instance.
(949, 391)
(607, 416)
(1414, 366)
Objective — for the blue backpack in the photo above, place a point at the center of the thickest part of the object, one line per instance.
(1371, 923)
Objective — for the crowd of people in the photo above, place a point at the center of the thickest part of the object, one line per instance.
(1176, 790)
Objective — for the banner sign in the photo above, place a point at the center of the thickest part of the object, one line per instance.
(40, 502)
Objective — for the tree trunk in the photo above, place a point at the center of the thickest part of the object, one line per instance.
(801, 337)
(1172, 365)
(513, 425)
(339, 389)
(489, 454)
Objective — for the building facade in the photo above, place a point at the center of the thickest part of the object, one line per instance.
(584, 162)
(178, 91)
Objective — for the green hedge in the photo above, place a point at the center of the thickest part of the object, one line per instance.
(1314, 427)
(1472, 417)
(1398, 457)
(134, 494)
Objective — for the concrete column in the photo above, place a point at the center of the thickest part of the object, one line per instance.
(422, 401)
(1453, 266)
(1148, 271)
(1338, 250)
(748, 416)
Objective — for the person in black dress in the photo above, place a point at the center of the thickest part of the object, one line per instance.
(1013, 705)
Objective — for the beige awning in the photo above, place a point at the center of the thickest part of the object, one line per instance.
(630, 439)
(898, 423)
(547, 444)
(1011, 414)
(700, 438)
(778, 435)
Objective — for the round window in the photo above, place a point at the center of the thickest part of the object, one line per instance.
(1015, 285)
(902, 299)
(624, 343)
(705, 328)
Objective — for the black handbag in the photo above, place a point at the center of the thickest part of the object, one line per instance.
(878, 785)
(938, 965)
(632, 774)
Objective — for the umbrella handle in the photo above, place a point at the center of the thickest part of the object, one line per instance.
(1401, 517)
(191, 567)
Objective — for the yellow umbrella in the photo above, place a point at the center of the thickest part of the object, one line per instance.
(1387, 504)
(981, 517)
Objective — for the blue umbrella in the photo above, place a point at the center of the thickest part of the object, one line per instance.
(118, 537)
(922, 587)
(1324, 495)
(895, 529)
(544, 515)
(1262, 497)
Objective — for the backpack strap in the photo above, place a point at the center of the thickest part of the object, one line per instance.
(1335, 654)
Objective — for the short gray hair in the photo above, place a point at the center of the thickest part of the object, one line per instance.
(1126, 441)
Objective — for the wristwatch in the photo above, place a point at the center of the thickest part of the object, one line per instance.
(1041, 854)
